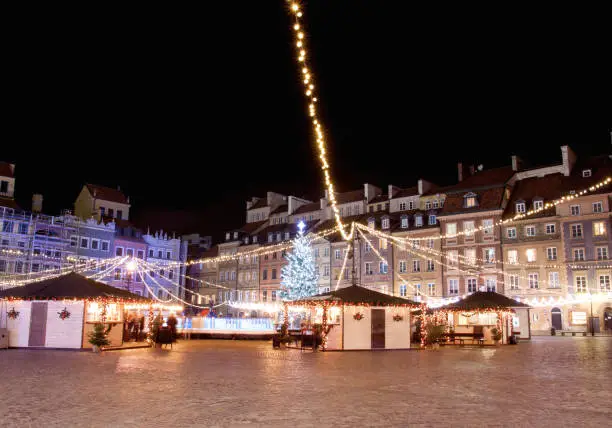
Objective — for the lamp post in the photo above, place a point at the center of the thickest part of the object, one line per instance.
(130, 266)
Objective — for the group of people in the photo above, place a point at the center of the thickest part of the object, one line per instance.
(134, 328)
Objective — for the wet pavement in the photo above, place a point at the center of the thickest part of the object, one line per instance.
(550, 381)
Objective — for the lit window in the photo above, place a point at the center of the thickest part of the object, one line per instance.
(451, 229)
(382, 244)
(453, 257)
(371, 223)
(385, 223)
(402, 290)
(599, 228)
(604, 282)
(472, 285)
(514, 282)
(511, 232)
(581, 286)
(487, 226)
(538, 205)
(575, 209)
(530, 231)
(553, 280)
(512, 256)
(531, 255)
(404, 222)
(418, 221)
(470, 256)
(453, 286)
(597, 207)
(491, 284)
(533, 280)
(489, 255)
(520, 207)
(551, 253)
(468, 228)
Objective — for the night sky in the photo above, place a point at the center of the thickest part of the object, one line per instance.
(192, 112)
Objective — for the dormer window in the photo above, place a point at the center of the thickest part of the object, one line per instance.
(227, 236)
(470, 200)
(278, 236)
(428, 205)
(385, 223)
(418, 221)
(270, 236)
(435, 203)
(371, 223)
(254, 239)
(246, 239)
(235, 235)
(286, 236)
(586, 173)
(410, 205)
(520, 207)
(404, 223)
(538, 204)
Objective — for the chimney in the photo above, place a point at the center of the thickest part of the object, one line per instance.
(323, 202)
(569, 159)
(249, 205)
(391, 191)
(516, 163)
(37, 201)
(423, 186)
(290, 204)
(459, 171)
(12, 166)
(471, 169)
(371, 191)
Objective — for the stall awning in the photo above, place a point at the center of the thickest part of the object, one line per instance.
(482, 300)
(356, 295)
(70, 286)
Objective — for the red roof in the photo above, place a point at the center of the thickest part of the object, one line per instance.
(315, 206)
(547, 188)
(6, 169)
(250, 227)
(346, 197)
(487, 199)
(106, 193)
(487, 178)
(410, 191)
(9, 203)
(378, 199)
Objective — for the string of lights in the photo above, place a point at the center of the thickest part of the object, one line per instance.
(311, 98)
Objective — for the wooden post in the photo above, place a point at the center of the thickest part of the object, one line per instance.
(323, 328)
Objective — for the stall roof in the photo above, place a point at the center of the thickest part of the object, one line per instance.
(69, 286)
(357, 295)
(484, 300)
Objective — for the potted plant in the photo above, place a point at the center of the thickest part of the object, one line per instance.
(98, 337)
(434, 334)
(496, 335)
(284, 338)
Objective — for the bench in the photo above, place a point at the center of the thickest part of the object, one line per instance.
(461, 337)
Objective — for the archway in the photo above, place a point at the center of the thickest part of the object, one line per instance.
(607, 319)
(555, 319)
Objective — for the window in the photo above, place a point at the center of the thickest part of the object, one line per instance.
(129, 252)
(576, 231)
(453, 286)
(410, 205)
(430, 243)
(385, 223)
(470, 200)
(432, 220)
(531, 254)
(117, 274)
(368, 268)
(264, 274)
(533, 280)
(575, 209)
(402, 266)
(416, 265)
(511, 232)
(366, 247)
(530, 231)
(604, 282)
(453, 257)
(402, 290)
(84, 242)
(418, 221)
(18, 267)
(111, 212)
(431, 288)
(3, 266)
(451, 229)
(514, 282)
(105, 245)
(468, 228)
(487, 226)
(274, 295)
(264, 295)
(95, 244)
(159, 254)
(140, 254)
(270, 236)
(551, 253)
(586, 173)
(581, 284)
(278, 236)
(23, 228)
(472, 285)
(168, 255)
(119, 214)
(578, 254)
(553, 280)
(602, 253)
(316, 253)
(382, 244)
(74, 241)
(428, 205)
(119, 251)
(273, 273)
(337, 254)
(435, 203)
(254, 239)
(538, 204)
(171, 274)
(274, 255)
(550, 229)
(599, 228)
(489, 255)
(233, 277)
(382, 267)
(520, 207)
(325, 270)
(346, 274)
(512, 256)
(491, 284)
(7, 227)
(417, 289)
(430, 265)
(402, 206)
(326, 252)
(597, 207)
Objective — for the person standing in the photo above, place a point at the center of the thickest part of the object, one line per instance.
(172, 321)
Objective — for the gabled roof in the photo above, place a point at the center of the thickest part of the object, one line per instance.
(601, 168)
(484, 300)
(315, 206)
(262, 202)
(346, 197)
(547, 188)
(69, 286)
(482, 179)
(357, 295)
(106, 193)
(280, 209)
(488, 199)
(250, 227)
(6, 169)
(379, 199)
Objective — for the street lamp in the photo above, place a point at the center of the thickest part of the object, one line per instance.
(130, 267)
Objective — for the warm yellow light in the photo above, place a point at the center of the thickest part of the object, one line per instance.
(296, 27)
(294, 7)
(131, 266)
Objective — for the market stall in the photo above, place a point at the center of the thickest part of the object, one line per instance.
(480, 315)
(356, 317)
(61, 311)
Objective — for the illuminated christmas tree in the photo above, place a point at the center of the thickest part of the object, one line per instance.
(299, 277)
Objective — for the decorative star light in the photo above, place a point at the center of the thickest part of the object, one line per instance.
(301, 225)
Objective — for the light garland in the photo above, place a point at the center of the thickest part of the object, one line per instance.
(309, 91)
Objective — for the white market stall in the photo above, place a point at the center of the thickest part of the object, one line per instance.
(357, 318)
(61, 311)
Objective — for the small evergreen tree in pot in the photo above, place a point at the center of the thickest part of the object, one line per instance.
(99, 337)
(496, 334)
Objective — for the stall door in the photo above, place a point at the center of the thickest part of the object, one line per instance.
(38, 324)
(555, 316)
(378, 329)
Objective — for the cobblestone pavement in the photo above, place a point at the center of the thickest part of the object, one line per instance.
(550, 381)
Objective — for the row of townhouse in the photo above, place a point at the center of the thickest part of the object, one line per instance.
(459, 241)
(99, 230)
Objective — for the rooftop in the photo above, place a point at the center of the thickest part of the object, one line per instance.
(107, 193)
(6, 169)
